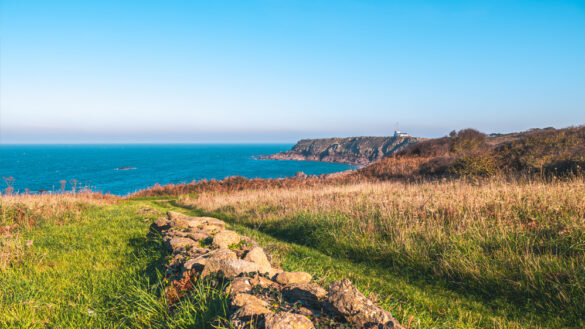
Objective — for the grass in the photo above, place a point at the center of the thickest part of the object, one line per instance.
(448, 254)
(96, 269)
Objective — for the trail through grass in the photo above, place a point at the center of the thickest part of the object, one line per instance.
(97, 271)
(441, 255)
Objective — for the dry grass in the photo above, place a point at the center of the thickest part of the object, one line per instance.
(523, 242)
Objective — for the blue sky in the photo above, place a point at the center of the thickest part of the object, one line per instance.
(276, 71)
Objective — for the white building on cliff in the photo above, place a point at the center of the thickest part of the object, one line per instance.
(398, 133)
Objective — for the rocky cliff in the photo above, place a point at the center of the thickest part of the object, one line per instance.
(351, 150)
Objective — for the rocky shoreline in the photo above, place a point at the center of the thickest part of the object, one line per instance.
(359, 151)
(261, 295)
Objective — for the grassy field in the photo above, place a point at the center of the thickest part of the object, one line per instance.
(452, 254)
(88, 264)
(444, 254)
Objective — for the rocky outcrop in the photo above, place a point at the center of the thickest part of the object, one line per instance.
(260, 294)
(351, 150)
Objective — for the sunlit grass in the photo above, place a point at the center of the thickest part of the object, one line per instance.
(516, 247)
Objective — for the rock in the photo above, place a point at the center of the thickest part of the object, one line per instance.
(185, 222)
(285, 320)
(210, 223)
(293, 278)
(225, 239)
(257, 255)
(199, 263)
(199, 235)
(240, 300)
(239, 285)
(182, 243)
(263, 282)
(357, 309)
(197, 252)
(229, 267)
(159, 225)
(250, 311)
(307, 293)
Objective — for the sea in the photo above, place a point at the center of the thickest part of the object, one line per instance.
(123, 169)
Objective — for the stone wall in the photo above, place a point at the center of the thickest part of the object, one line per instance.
(260, 294)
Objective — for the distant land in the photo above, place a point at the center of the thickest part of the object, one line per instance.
(359, 151)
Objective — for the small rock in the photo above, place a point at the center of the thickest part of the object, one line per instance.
(293, 277)
(257, 255)
(229, 267)
(307, 293)
(240, 300)
(285, 320)
(357, 309)
(159, 225)
(199, 263)
(199, 235)
(29, 243)
(225, 239)
(263, 282)
(182, 243)
(209, 223)
(250, 311)
(239, 285)
(196, 252)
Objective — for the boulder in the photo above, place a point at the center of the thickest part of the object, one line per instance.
(357, 309)
(293, 278)
(229, 267)
(309, 294)
(225, 239)
(286, 320)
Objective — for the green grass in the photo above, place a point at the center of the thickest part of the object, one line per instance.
(98, 271)
(415, 299)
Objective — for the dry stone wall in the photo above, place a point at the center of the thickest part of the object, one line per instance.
(261, 295)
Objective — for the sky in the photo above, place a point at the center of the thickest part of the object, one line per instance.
(276, 71)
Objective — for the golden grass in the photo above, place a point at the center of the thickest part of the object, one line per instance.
(417, 206)
(521, 241)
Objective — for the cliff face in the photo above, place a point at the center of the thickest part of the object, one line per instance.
(352, 150)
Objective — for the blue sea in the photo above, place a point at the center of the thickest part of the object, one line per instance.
(43, 167)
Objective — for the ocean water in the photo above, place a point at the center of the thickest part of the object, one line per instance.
(42, 167)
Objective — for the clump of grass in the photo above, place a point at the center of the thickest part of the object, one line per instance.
(518, 242)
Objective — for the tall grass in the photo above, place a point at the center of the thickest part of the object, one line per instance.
(519, 242)
(20, 212)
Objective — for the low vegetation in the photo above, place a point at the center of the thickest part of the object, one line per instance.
(470, 153)
(83, 261)
(513, 246)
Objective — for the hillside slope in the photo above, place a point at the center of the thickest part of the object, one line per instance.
(353, 150)
(472, 153)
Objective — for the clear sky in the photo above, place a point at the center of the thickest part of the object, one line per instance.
(276, 71)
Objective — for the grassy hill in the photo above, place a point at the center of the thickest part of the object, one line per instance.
(548, 152)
